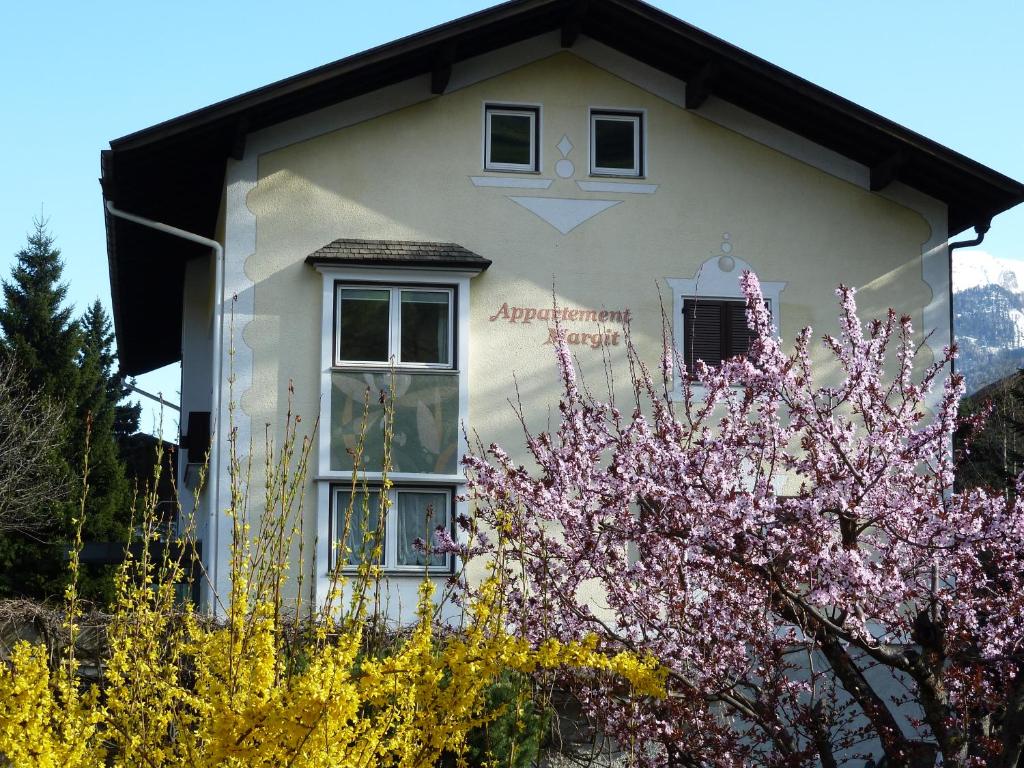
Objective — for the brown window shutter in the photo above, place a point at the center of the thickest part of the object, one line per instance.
(702, 326)
(738, 334)
(714, 330)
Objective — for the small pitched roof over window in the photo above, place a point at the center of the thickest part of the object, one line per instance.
(398, 253)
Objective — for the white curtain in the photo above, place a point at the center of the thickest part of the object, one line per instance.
(420, 513)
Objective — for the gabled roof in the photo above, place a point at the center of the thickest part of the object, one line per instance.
(398, 253)
(174, 171)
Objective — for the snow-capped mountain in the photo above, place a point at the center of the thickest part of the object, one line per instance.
(988, 305)
(972, 269)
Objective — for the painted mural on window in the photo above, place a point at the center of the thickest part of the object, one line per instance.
(426, 426)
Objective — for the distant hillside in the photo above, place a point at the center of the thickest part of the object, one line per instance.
(988, 307)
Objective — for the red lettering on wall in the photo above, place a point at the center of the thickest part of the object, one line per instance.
(599, 335)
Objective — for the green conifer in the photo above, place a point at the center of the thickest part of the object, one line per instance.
(72, 363)
(43, 339)
(37, 328)
(108, 504)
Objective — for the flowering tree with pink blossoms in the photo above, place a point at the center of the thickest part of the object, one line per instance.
(793, 553)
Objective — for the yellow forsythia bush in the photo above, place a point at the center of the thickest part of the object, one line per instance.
(260, 687)
(180, 692)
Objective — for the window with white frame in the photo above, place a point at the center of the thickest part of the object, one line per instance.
(710, 322)
(397, 529)
(511, 138)
(394, 393)
(411, 326)
(616, 143)
(394, 370)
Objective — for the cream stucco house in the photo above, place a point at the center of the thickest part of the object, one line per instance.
(421, 202)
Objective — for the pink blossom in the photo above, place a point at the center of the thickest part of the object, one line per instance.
(794, 553)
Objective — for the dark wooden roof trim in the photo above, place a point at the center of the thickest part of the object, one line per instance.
(885, 172)
(446, 264)
(698, 87)
(290, 87)
(572, 24)
(441, 72)
(237, 151)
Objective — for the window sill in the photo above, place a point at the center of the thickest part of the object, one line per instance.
(676, 393)
(511, 171)
(599, 175)
(437, 572)
(385, 367)
(372, 476)
(699, 390)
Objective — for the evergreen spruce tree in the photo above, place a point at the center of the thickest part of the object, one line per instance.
(73, 364)
(98, 352)
(108, 505)
(40, 334)
(38, 328)
(127, 416)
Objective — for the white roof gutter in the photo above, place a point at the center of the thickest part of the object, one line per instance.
(217, 389)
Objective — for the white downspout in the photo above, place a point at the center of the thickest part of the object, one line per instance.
(218, 249)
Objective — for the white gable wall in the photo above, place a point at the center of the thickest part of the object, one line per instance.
(400, 163)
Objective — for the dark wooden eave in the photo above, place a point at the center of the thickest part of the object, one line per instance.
(174, 171)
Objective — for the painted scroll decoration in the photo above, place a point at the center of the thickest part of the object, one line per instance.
(564, 213)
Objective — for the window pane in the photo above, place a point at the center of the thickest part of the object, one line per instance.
(425, 326)
(511, 137)
(615, 144)
(420, 516)
(426, 425)
(363, 320)
(356, 527)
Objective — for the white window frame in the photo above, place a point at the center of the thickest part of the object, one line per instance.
(390, 551)
(714, 283)
(637, 118)
(331, 275)
(394, 326)
(520, 110)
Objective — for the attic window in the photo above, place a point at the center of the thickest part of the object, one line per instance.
(511, 138)
(616, 143)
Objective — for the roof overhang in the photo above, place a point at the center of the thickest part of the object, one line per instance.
(174, 171)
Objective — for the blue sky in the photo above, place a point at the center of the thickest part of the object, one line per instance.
(76, 75)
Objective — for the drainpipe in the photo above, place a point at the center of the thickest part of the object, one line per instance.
(218, 336)
(980, 229)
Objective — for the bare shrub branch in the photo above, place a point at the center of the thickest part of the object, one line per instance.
(31, 481)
